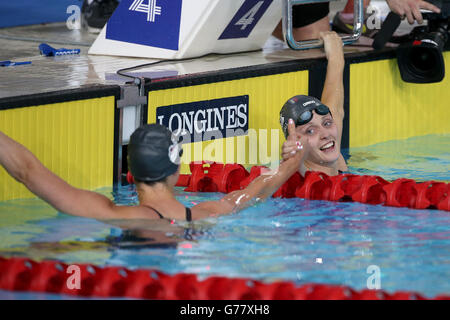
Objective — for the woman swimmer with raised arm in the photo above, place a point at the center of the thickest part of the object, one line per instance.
(154, 160)
(319, 122)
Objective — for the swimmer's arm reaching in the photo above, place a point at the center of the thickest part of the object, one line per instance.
(260, 188)
(333, 89)
(23, 166)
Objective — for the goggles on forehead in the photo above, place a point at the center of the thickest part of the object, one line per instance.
(307, 115)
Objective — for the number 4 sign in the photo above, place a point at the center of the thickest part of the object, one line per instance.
(245, 19)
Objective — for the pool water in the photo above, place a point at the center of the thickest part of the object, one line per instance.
(281, 239)
(422, 158)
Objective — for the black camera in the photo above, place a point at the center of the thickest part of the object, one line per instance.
(419, 56)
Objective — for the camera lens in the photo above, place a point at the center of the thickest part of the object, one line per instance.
(421, 64)
(422, 59)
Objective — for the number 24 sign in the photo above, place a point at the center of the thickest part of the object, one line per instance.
(246, 19)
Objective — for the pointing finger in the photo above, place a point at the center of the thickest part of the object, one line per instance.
(291, 130)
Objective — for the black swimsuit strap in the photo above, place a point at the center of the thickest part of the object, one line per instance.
(188, 213)
(157, 212)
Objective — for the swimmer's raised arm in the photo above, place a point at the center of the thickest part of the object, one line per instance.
(260, 188)
(23, 166)
(333, 89)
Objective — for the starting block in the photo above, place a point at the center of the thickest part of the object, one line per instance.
(178, 29)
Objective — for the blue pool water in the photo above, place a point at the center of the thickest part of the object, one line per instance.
(282, 239)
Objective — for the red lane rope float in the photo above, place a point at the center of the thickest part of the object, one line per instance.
(22, 274)
(217, 177)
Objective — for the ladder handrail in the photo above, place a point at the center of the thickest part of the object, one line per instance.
(317, 43)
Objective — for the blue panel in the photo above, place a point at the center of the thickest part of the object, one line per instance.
(246, 19)
(154, 23)
(26, 12)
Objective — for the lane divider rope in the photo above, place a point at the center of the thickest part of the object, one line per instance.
(217, 177)
(22, 274)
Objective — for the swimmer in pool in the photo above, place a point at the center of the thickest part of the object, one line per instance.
(319, 122)
(154, 160)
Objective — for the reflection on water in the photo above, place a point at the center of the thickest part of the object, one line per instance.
(420, 158)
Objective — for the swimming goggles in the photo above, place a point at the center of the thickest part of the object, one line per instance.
(307, 115)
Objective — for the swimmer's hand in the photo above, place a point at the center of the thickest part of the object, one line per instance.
(259, 189)
(294, 143)
(333, 48)
(410, 9)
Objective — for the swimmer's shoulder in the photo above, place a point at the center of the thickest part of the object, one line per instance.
(174, 210)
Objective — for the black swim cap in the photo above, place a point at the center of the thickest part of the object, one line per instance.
(296, 106)
(153, 153)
